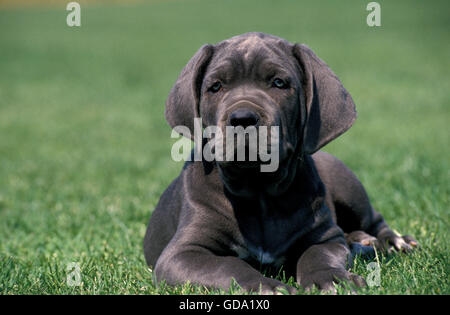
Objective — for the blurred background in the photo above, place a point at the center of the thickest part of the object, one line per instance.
(85, 148)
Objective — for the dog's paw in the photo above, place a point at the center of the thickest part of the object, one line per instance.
(325, 280)
(387, 241)
(362, 238)
(391, 241)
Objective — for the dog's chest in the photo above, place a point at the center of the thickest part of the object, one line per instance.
(268, 239)
(271, 228)
(258, 254)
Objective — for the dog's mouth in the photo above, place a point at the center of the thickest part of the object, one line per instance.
(246, 164)
(251, 135)
(273, 175)
(254, 151)
(261, 153)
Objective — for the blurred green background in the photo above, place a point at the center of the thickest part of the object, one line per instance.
(85, 149)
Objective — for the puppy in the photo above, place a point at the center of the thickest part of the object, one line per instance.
(221, 220)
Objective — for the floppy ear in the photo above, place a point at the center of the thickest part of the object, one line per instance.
(182, 105)
(330, 110)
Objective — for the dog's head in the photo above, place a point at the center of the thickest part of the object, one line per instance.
(258, 80)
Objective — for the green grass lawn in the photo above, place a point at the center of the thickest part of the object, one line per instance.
(85, 149)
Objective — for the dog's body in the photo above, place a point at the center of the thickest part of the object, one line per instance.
(224, 220)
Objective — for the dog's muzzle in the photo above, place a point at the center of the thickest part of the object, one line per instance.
(247, 129)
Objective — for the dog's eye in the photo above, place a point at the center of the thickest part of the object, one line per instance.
(278, 83)
(215, 87)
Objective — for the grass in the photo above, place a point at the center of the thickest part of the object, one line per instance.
(84, 147)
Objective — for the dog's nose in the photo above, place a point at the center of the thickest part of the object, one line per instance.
(243, 117)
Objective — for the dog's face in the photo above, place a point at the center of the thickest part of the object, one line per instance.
(253, 81)
(258, 80)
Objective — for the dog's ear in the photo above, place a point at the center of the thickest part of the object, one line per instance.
(329, 108)
(182, 105)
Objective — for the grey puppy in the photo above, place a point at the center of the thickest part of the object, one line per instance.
(222, 220)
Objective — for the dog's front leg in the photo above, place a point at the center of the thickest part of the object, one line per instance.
(200, 266)
(323, 265)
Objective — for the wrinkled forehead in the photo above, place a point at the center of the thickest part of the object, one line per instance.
(249, 45)
(253, 51)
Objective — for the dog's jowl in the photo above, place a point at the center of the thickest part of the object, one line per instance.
(226, 219)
